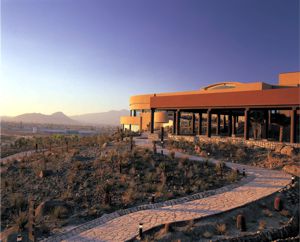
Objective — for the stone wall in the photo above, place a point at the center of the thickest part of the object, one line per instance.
(235, 140)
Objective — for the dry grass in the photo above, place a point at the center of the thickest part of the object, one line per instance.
(221, 229)
(21, 220)
(285, 213)
(207, 234)
(267, 213)
(262, 224)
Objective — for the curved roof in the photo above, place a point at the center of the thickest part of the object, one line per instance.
(221, 85)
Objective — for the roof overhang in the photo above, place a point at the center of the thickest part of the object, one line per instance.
(277, 98)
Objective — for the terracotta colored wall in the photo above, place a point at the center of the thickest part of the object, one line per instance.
(140, 102)
(289, 79)
(130, 120)
(271, 97)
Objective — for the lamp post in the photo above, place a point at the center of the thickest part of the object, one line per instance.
(293, 180)
(141, 230)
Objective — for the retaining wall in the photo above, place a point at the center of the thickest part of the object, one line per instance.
(235, 140)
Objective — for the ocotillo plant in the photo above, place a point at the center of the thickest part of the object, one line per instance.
(67, 145)
(107, 198)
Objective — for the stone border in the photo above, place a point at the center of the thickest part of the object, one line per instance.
(107, 217)
(235, 140)
(250, 236)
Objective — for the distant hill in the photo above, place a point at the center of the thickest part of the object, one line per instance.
(55, 118)
(110, 117)
(104, 118)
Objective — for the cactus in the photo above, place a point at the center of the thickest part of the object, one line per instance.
(107, 197)
(162, 134)
(277, 204)
(154, 147)
(131, 143)
(241, 223)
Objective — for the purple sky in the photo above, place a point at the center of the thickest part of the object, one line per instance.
(90, 55)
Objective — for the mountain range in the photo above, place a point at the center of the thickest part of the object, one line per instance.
(103, 118)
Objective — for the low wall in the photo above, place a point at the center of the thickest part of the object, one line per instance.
(235, 140)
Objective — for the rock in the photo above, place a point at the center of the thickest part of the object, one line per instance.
(292, 169)
(278, 148)
(287, 150)
(48, 206)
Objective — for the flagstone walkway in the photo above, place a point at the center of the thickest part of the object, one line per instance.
(125, 227)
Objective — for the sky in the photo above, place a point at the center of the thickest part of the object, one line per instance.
(88, 56)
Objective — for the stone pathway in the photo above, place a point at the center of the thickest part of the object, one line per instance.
(122, 228)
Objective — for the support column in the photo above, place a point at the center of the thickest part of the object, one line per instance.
(193, 123)
(266, 128)
(178, 122)
(152, 121)
(208, 130)
(224, 122)
(134, 113)
(174, 122)
(246, 124)
(293, 129)
(234, 125)
(200, 124)
(218, 124)
(230, 124)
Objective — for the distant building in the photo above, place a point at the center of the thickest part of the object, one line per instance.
(34, 130)
(227, 103)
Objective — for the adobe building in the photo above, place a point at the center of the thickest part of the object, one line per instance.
(222, 109)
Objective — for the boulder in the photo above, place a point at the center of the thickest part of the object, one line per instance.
(278, 148)
(287, 150)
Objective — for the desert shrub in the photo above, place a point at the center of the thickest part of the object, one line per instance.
(267, 213)
(18, 201)
(21, 220)
(172, 155)
(240, 154)
(60, 212)
(207, 234)
(232, 176)
(262, 225)
(128, 196)
(221, 229)
(285, 213)
(44, 229)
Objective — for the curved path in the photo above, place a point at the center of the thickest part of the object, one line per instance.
(125, 227)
